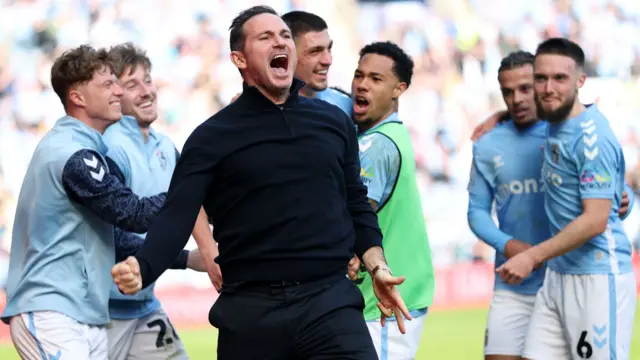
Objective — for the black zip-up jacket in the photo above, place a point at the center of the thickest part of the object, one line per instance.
(281, 185)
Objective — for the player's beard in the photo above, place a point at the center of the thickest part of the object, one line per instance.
(558, 115)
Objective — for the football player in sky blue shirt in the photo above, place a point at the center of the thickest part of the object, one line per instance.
(506, 171)
(313, 47)
(71, 198)
(139, 326)
(586, 306)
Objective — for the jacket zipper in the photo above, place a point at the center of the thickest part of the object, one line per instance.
(286, 121)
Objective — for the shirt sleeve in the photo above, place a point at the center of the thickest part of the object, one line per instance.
(365, 221)
(481, 223)
(378, 155)
(597, 163)
(127, 244)
(86, 181)
(189, 185)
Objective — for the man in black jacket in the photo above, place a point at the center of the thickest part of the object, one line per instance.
(279, 176)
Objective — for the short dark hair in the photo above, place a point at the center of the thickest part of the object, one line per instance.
(402, 62)
(515, 60)
(77, 66)
(561, 46)
(237, 35)
(127, 55)
(302, 22)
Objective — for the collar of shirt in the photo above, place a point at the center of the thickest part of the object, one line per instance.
(589, 111)
(510, 124)
(85, 135)
(254, 99)
(130, 124)
(391, 118)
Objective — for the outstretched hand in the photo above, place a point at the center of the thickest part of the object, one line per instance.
(389, 300)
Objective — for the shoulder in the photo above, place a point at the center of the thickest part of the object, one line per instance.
(593, 132)
(324, 108)
(84, 157)
(114, 130)
(337, 97)
(487, 144)
(56, 147)
(82, 163)
(378, 145)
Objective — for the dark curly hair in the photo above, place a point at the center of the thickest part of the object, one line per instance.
(402, 62)
(77, 66)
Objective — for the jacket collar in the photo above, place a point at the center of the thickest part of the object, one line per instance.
(256, 100)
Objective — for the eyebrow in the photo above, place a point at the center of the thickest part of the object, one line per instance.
(270, 32)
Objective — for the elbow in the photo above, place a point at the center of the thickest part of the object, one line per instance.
(472, 220)
(598, 224)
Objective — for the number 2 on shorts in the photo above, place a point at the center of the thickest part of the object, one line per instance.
(162, 331)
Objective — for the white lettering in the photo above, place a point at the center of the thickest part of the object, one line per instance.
(517, 187)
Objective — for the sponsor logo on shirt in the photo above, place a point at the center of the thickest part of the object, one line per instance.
(595, 179)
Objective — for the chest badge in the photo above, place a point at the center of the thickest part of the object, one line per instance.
(555, 151)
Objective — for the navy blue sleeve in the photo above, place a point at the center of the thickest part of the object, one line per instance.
(365, 220)
(86, 181)
(127, 244)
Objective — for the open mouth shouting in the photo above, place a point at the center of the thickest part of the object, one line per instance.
(280, 64)
(360, 104)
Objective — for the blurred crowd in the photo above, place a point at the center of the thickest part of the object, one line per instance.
(457, 46)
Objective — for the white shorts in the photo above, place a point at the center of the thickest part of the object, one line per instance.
(507, 323)
(151, 337)
(391, 344)
(51, 335)
(582, 317)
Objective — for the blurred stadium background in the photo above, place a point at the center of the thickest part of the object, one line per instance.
(457, 46)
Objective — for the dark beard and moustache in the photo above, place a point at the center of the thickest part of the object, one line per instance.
(558, 115)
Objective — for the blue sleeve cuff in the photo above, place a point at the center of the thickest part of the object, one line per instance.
(500, 241)
(485, 229)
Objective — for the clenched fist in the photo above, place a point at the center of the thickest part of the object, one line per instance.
(126, 275)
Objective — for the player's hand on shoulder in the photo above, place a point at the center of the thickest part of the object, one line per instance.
(487, 125)
(389, 300)
(126, 274)
(236, 97)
